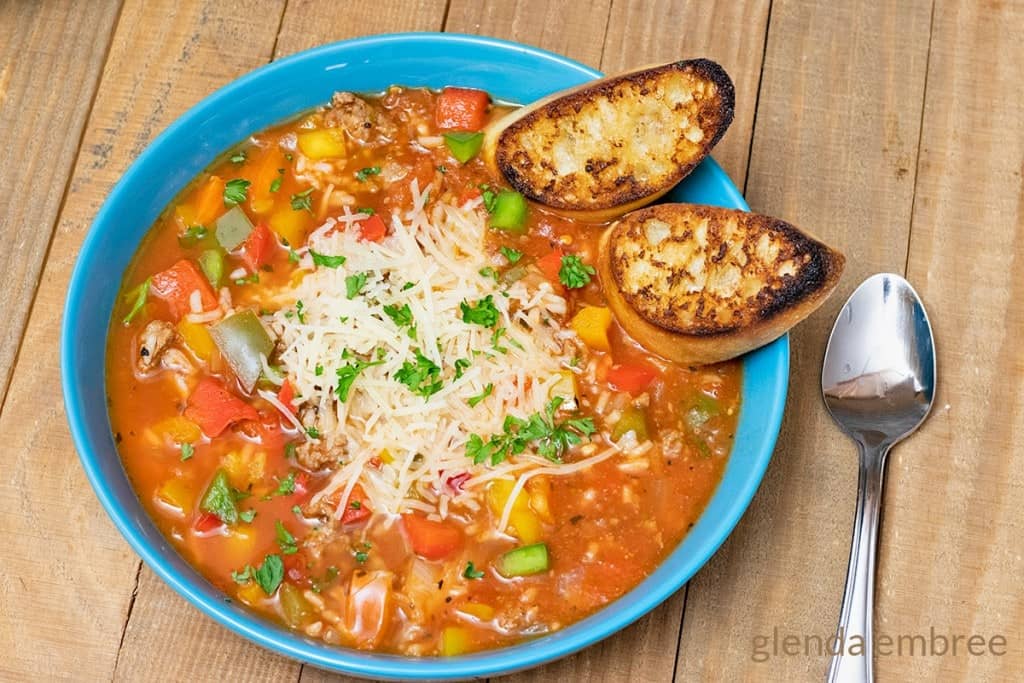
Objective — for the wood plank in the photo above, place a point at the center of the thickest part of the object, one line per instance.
(731, 33)
(951, 545)
(159, 613)
(51, 55)
(66, 576)
(548, 24)
(834, 148)
(308, 23)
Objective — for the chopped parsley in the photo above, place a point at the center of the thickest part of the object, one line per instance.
(318, 370)
(313, 432)
(408, 285)
(330, 575)
(327, 261)
(347, 375)
(303, 201)
(364, 173)
(220, 499)
(300, 311)
(496, 339)
(472, 572)
(250, 279)
(574, 273)
(362, 556)
(423, 377)
(285, 540)
(270, 574)
(354, 284)
(235, 191)
(356, 504)
(192, 236)
(293, 256)
(247, 515)
(296, 510)
(367, 210)
(187, 451)
(551, 439)
(244, 576)
(461, 365)
(473, 401)
(285, 487)
(483, 312)
(275, 184)
(487, 271)
(238, 157)
(138, 298)
(490, 198)
(400, 315)
(513, 255)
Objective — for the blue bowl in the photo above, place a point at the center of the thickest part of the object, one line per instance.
(277, 92)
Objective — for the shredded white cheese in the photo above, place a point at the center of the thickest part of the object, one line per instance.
(402, 447)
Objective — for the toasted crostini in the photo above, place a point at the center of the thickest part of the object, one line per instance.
(701, 284)
(600, 150)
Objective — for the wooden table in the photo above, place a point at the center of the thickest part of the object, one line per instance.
(894, 130)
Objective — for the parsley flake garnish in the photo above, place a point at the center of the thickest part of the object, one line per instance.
(235, 191)
(303, 201)
(326, 260)
(347, 375)
(550, 439)
(238, 157)
(483, 312)
(364, 173)
(423, 377)
(247, 515)
(354, 284)
(285, 540)
(138, 297)
(574, 273)
(472, 572)
(513, 255)
(461, 365)
(270, 574)
(187, 451)
(473, 401)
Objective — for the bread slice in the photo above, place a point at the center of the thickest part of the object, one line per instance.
(702, 284)
(616, 144)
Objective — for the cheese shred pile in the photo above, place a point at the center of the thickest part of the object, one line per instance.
(393, 375)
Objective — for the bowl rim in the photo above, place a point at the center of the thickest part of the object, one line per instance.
(354, 662)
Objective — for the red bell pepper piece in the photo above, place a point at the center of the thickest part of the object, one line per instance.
(461, 109)
(551, 264)
(633, 377)
(357, 507)
(429, 539)
(206, 522)
(372, 229)
(214, 408)
(286, 395)
(176, 284)
(258, 247)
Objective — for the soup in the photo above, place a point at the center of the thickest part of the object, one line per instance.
(376, 396)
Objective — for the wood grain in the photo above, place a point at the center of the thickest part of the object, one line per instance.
(66, 577)
(731, 33)
(951, 553)
(308, 23)
(51, 55)
(834, 149)
(548, 24)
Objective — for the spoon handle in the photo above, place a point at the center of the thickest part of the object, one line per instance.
(859, 597)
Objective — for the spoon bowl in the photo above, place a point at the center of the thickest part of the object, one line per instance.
(878, 383)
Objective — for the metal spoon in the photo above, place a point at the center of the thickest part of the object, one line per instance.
(878, 382)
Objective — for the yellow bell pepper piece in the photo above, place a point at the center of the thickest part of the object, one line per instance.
(524, 522)
(479, 610)
(197, 338)
(291, 225)
(178, 494)
(386, 457)
(178, 429)
(455, 640)
(322, 144)
(251, 594)
(565, 386)
(268, 171)
(186, 215)
(539, 489)
(244, 467)
(591, 323)
(239, 545)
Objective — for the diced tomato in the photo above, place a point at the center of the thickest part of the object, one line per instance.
(632, 377)
(301, 484)
(357, 507)
(176, 284)
(468, 195)
(461, 109)
(258, 247)
(206, 522)
(214, 408)
(295, 567)
(456, 482)
(551, 264)
(286, 395)
(429, 539)
(372, 229)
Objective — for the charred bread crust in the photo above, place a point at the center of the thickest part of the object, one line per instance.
(700, 284)
(683, 108)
